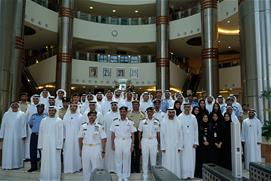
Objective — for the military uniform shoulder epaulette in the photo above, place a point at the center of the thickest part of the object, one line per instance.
(83, 124)
(156, 120)
(115, 119)
(142, 112)
(99, 123)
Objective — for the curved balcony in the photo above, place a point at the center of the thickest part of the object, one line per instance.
(93, 73)
(126, 2)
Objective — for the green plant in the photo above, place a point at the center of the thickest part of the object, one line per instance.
(266, 132)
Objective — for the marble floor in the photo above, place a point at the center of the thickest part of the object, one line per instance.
(23, 175)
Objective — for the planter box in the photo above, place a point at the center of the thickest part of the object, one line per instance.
(266, 150)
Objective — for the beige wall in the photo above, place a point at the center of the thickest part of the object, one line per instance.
(45, 72)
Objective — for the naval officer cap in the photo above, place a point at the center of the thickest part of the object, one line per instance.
(135, 101)
(149, 108)
(123, 108)
(114, 102)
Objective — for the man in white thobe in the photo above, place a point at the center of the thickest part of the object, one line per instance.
(24, 104)
(106, 104)
(252, 138)
(149, 128)
(123, 143)
(128, 100)
(171, 142)
(108, 120)
(50, 142)
(189, 129)
(44, 96)
(118, 95)
(60, 93)
(13, 131)
(71, 151)
(145, 101)
(91, 108)
(209, 103)
(92, 139)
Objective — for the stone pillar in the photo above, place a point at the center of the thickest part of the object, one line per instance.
(162, 45)
(209, 53)
(11, 52)
(17, 61)
(255, 41)
(64, 56)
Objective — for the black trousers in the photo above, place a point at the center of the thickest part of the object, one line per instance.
(135, 160)
(34, 150)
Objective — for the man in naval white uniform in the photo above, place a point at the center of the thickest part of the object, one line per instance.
(92, 139)
(149, 129)
(123, 143)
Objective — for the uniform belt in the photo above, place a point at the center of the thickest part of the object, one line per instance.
(149, 138)
(90, 145)
(37, 134)
(123, 138)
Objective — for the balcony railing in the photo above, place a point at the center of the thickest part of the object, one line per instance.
(177, 14)
(52, 5)
(111, 58)
(114, 20)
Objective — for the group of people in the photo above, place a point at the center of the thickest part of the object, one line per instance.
(121, 133)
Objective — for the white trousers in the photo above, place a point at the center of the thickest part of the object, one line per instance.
(91, 159)
(123, 157)
(149, 150)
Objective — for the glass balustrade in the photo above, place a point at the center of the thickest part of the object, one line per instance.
(175, 15)
(110, 58)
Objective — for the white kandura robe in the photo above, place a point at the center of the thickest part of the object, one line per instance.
(71, 150)
(13, 129)
(50, 142)
(251, 135)
(189, 129)
(106, 106)
(30, 111)
(144, 105)
(171, 141)
(109, 153)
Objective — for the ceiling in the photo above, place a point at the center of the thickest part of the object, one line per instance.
(40, 39)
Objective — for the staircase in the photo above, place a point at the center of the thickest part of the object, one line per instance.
(28, 82)
(192, 82)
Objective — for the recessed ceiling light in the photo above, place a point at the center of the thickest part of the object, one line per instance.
(229, 46)
(228, 21)
(90, 7)
(136, 11)
(113, 10)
